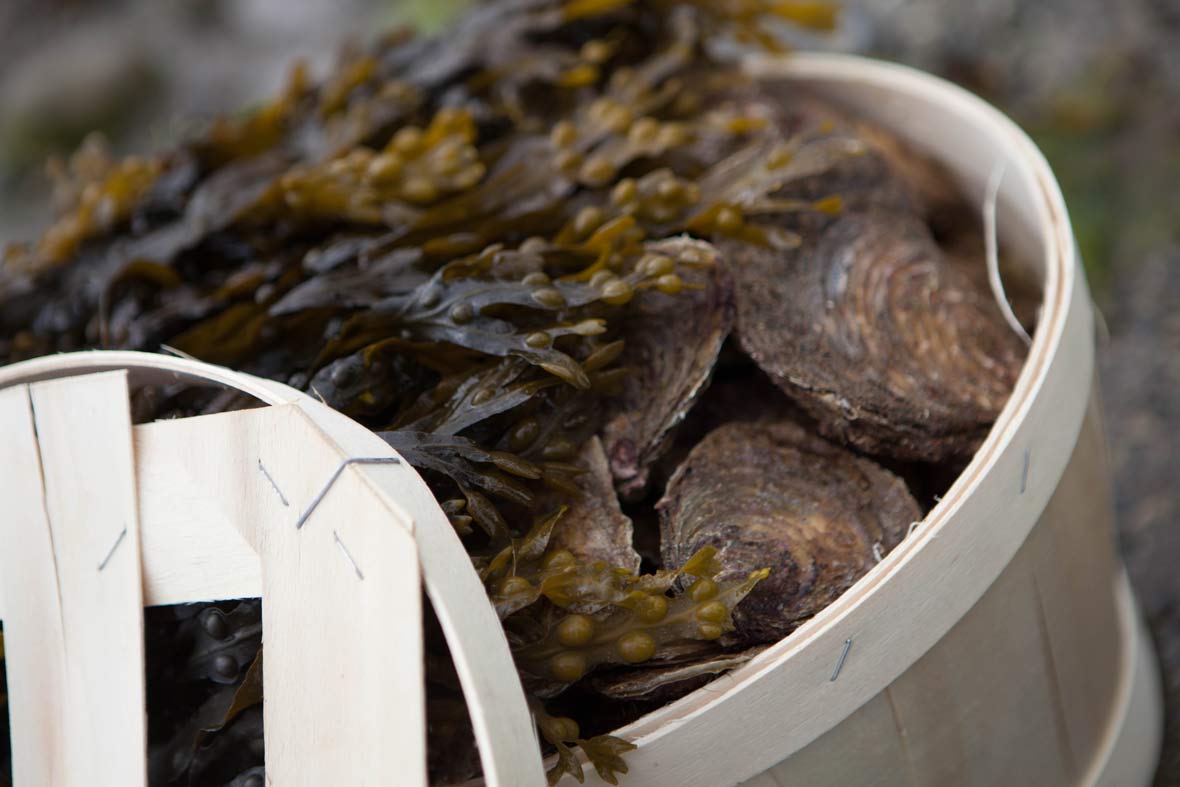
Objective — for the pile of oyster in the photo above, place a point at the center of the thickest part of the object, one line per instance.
(681, 353)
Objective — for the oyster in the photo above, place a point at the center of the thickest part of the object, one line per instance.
(864, 323)
(670, 348)
(929, 187)
(771, 494)
(593, 528)
(665, 682)
(870, 330)
(964, 246)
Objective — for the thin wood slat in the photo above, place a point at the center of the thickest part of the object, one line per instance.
(34, 640)
(980, 708)
(342, 613)
(248, 497)
(866, 750)
(1075, 565)
(500, 717)
(191, 550)
(71, 569)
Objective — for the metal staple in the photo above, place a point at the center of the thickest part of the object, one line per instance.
(111, 552)
(348, 555)
(840, 663)
(356, 460)
(274, 486)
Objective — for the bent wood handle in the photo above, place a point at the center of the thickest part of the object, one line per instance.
(70, 573)
(218, 501)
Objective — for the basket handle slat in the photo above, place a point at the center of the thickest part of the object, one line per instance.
(500, 718)
(71, 574)
(342, 603)
(171, 469)
(191, 550)
(207, 517)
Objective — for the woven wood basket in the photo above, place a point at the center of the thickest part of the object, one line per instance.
(998, 644)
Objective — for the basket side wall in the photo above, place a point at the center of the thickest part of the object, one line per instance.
(1025, 688)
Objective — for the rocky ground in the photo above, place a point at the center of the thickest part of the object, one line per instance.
(1096, 83)
(1141, 382)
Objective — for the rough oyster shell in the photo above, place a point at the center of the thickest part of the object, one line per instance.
(671, 345)
(769, 494)
(877, 337)
(593, 527)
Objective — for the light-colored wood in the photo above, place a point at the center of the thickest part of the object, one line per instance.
(765, 779)
(503, 723)
(865, 750)
(191, 548)
(341, 601)
(1026, 688)
(980, 708)
(34, 641)
(858, 751)
(342, 622)
(71, 533)
(1130, 747)
(500, 717)
(1075, 564)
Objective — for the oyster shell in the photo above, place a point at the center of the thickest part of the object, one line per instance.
(769, 494)
(670, 347)
(876, 336)
(878, 170)
(964, 247)
(665, 682)
(593, 527)
(865, 323)
(929, 186)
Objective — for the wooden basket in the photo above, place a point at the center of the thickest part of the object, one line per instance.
(998, 644)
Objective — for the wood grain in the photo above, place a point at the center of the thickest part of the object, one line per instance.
(301, 446)
(341, 624)
(34, 640)
(1075, 567)
(866, 750)
(980, 708)
(88, 727)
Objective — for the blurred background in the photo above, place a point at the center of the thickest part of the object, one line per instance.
(1097, 85)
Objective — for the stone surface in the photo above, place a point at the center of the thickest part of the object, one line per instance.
(1140, 368)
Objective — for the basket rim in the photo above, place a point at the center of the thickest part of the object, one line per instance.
(1053, 389)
